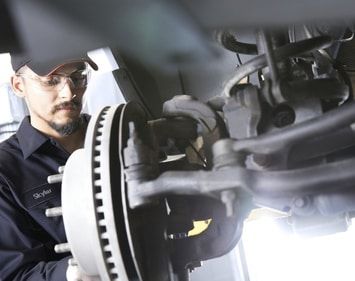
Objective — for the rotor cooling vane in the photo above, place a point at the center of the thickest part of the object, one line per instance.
(106, 238)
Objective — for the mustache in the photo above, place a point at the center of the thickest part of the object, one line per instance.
(74, 104)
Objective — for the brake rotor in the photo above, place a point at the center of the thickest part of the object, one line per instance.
(106, 237)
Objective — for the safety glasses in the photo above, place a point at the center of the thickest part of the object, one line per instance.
(78, 79)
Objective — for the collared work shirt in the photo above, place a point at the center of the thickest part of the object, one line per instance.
(27, 236)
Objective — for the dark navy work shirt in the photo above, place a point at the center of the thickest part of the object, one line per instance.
(27, 236)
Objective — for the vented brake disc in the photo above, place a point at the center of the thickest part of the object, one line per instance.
(106, 238)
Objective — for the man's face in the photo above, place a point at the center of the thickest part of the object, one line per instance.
(54, 101)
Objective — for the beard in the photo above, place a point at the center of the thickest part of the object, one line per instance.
(68, 128)
(71, 126)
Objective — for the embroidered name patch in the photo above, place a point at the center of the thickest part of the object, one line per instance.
(40, 194)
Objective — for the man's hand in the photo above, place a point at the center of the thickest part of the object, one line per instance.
(74, 273)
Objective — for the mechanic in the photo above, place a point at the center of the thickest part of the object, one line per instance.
(45, 139)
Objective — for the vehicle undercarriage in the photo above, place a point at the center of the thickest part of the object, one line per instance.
(225, 114)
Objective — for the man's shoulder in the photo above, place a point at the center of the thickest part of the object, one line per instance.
(9, 145)
(9, 150)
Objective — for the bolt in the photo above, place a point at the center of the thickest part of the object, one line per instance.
(300, 202)
(54, 212)
(61, 169)
(283, 116)
(303, 206)
(55, 178)
(62, 248)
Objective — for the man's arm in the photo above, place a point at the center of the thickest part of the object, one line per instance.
(54, 271)
(23, 256)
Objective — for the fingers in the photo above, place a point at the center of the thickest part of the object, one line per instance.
(74, 273)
